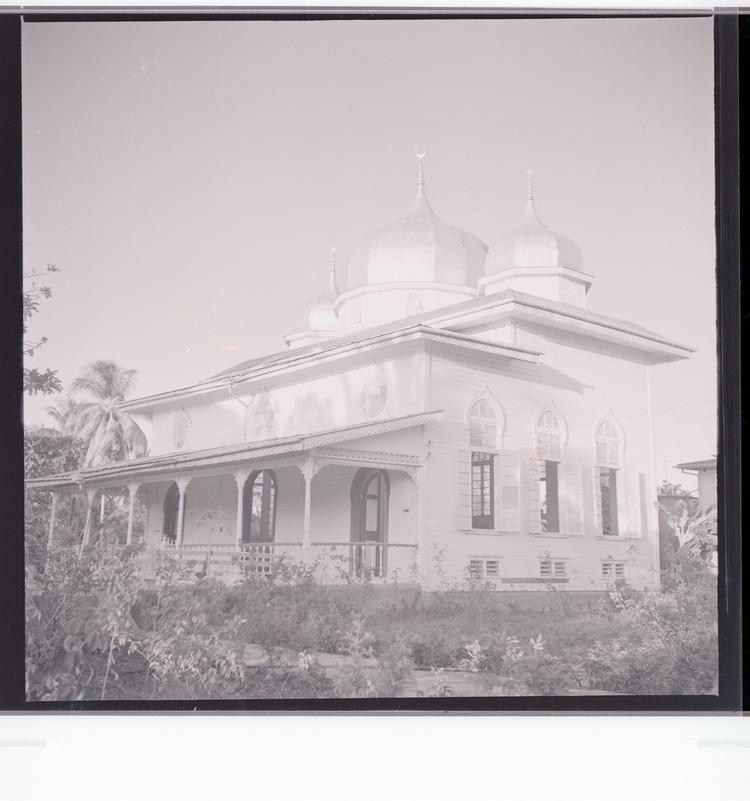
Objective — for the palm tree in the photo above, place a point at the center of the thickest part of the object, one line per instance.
(109, 434)
(65, 414)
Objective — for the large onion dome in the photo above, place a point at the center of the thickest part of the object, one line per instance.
(417, 248)
(533, 244)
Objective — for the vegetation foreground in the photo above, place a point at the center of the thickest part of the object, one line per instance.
(97, 631)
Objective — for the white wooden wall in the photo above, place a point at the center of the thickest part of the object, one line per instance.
(600, 383)
(325, 400)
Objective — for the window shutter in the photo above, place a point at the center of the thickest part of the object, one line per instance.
(587, 500)
(509, 505)
(622, 503)
(464, 489)
(535, 521)
(597, 487)
(573, 499)
(643, 497)
(632, 506)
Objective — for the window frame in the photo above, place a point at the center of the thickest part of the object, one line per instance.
(543, 478)
(545, 451)
(612, 501)
(272, 496)
(484, 416)
(607, 442)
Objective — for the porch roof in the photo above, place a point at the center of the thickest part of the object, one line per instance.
(157, 467)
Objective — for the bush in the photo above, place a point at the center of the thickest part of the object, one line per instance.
(96, 631)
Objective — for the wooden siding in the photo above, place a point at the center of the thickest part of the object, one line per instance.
(584, 386)
(320, 402)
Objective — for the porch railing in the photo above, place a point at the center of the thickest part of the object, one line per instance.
(330, 561)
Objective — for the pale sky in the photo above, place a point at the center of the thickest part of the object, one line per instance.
(189, 179)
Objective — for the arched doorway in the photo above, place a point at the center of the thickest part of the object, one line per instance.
(171, 513)
(259, 507)
(369, 527)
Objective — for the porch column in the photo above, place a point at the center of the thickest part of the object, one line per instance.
(182, 485)
(90, 495)
(53, 511)
(307, 474)
(132, 492)
(240, 478)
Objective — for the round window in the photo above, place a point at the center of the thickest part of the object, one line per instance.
(374, 395)
(180, 433)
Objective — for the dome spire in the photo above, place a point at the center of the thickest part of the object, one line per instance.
(420, 169)
(421, 206)
(530, 207)
(333, 283)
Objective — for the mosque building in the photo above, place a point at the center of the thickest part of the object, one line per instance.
(443, 411)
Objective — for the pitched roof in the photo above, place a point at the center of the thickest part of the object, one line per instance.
(701, 464)
(238, 453)
(438, 319)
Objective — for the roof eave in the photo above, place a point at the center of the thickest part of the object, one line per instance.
(417, 332)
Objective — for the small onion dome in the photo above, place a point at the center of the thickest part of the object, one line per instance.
(418, 248)
(532, 244)
(318, 314)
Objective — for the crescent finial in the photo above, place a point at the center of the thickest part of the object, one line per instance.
(420, 167)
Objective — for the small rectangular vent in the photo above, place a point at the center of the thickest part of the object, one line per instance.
(484, 568)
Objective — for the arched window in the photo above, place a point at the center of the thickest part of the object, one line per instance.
(608, 444)
(549, 436)
(483, 425)
(609, 447)
(171, 513)
(369, 529)
(483, 441)
(180, 432)
(259, 506)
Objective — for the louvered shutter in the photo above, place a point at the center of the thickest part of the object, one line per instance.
(573, 508)
(509, 506)
(464, 489)
(632, 505)
(622, 503)
(535, 521)
(597, 490)
(587, 500)
(643, 498)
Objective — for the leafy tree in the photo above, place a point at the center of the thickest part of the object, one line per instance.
(37, 381)
(47, 452)
(91, 413)
(673, 490)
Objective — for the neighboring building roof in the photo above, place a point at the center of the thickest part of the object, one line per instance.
(702, 464)
(185, 461)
